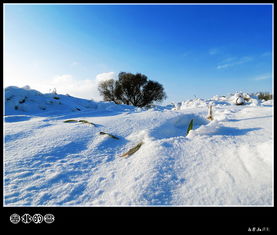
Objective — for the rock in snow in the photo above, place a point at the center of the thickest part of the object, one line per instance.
(50, 162)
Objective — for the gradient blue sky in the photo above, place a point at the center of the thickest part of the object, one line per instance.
(193, 50)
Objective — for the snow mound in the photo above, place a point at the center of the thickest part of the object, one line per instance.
(177, 126)
(238, 98)
(25, 100)
(268, 102)
(201, 103)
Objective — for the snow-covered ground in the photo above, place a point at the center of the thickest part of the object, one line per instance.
(48, 162)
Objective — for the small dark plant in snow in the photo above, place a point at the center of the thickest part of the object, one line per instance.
(82, 121)
(23, 100)
(264, 96)
(132, 150)
(70, 120)
(87, 122)
(190, 126)
(112, 136)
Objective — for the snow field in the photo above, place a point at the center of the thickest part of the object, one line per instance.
(227, 161)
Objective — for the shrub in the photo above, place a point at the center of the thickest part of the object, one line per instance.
(265, 96)
(132, 89)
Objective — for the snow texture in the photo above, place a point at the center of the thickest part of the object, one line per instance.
(47, 162)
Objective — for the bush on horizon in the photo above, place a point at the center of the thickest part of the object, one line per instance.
(132, 89)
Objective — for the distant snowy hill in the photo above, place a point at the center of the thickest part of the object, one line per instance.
(61, 150)
(28, 101)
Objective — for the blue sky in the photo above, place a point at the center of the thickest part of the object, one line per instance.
(193, 50)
